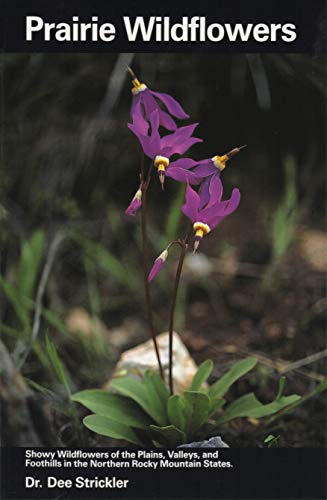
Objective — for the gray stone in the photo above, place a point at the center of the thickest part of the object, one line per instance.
(214, 442)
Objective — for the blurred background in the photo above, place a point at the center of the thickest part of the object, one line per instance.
(71, 286)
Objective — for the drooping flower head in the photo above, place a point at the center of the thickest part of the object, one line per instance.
(135, 204)
(160, 149)
(206, 217)
(149, 102)
(210, 168)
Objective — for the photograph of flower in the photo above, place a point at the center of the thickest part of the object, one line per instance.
(162, 276)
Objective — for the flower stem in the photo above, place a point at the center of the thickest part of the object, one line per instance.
(183, 245)
(145, 273)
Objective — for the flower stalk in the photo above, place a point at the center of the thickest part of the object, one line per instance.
(148, 305)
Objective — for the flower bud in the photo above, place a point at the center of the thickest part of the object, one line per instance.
(135, 204)
(158, 265)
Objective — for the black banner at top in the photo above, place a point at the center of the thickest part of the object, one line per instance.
(170, 26)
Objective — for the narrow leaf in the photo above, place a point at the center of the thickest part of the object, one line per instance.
(176, 408)
(29, 263)
(219, 388)
(197, 406)
(201, 375)
(250, 406)
(57, 364)
(157, 404)
(215, 404)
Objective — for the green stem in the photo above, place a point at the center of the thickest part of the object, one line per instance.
(172, 312)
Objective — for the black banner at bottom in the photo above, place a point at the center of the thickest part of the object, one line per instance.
(275, 473)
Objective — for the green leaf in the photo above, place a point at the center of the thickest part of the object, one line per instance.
(29, 264)
(219, 388)
(201, 375)
(19, 306)
(176, 408)
(157, 404)
(134, 389)
(110, 428)
(54, 320)
(249, 406)
(168, 436)
(58, 365)
(114, 406)
(281, 386)
(322, 386)
(196, 410)
(215, 404)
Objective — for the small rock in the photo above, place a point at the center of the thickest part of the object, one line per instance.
(314, 249)
(214, 442)
(79, 320)
(142, 357)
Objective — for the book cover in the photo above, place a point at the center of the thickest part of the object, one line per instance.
(163, 250)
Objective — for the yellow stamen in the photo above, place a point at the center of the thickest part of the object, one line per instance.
(201, 229)
(220, 161)
(161, 163)
(138, 86)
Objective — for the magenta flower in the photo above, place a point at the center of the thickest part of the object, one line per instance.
(158, 265)
(148, 101)
(207, 217)
(135, 204)
(210, 168)
(160, 149)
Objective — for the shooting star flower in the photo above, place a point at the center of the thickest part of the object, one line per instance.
(160, 149)
(148, 100)
(209, 169)
(206, 218)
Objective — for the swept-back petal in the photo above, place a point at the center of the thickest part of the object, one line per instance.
(140, 124)
(166, 120)
(205, 169)
(215, 188)
(181, 175)
(171, 140)
(226, 208)
(191, 205)
(171, 104)
(204, 192)
(184, 163)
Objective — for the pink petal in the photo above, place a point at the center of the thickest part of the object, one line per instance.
(182, 147)
(184, 163)
(166, 120)
(205, 169)
(179, 135)
(156, 268)
(204, 192)
(138, 119)
(133, 207)
(215, 188)
(171, 104)
(150, 105)
(191, 205)
(226, 208)
(182, 175)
